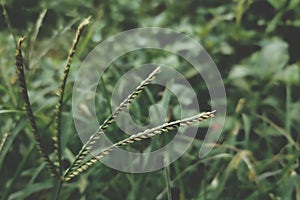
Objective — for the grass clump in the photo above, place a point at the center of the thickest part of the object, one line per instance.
(80, 164)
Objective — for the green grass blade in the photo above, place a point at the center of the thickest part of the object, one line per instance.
(34, 35)
(18, 171)
(52, 42)
(3, 140)
(7, 21)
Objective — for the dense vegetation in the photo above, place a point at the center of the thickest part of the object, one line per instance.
(255, 45)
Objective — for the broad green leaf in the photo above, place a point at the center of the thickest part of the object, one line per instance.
(272, 58)
(240, 71)
(289, 75)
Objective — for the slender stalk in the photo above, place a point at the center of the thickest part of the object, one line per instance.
(33, 36)
(297, 191)
(59, 106)
(287, 108)
(288, 101)
(7, 21)
(168, 182)
(31, 118)
(58, 189)
(105, 93)
(89, 144)
(149, 133)
(4, 137)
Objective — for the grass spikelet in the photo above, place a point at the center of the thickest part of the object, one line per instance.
(88, 145)
(149, 133)
(59, 106)
(23, 90)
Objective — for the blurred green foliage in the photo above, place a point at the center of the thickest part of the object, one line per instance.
(255, 45)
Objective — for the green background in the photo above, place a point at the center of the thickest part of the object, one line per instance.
(254, 43)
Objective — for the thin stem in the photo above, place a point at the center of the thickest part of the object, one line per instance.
(287, 109)
(33, 36)
(105, 93)
(7, 21)
(167, 179)
(58, 189)
(3, 140)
